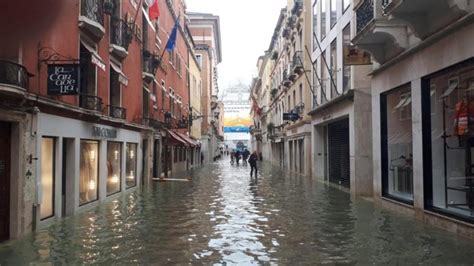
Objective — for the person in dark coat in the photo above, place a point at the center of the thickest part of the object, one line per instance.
(253, 163)
(237, 156)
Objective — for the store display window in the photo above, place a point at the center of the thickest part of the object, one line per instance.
(47, 178)
(131, 165)
(397, 144)
(89, 171)
(448, 127)
(114, 166)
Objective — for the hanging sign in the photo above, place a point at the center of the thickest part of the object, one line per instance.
(291, 116)
(63, 79)
(355, 56)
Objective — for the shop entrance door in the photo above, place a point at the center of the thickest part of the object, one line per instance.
(339, 161)
(4, 181)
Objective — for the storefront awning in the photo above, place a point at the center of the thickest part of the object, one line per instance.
(191, 142)
(122, 78)
(175, 139)
(95, 58)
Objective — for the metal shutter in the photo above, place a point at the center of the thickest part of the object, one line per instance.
(339, 162)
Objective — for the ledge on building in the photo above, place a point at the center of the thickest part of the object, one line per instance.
(348, 95)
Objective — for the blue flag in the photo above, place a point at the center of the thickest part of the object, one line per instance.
(172, 40)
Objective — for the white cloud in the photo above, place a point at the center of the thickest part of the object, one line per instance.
(246, 28)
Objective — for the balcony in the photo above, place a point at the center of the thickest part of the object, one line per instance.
(292, 76)
(426, 17)
(91, 102)
(150, 64)
(286, 79)
(297, 8)
(13, 77)
(384, 38)
(92, 17)
(151, 122)
(214, 102)
(286, 33)
(117, 112)
(120, 37)
(297, 63)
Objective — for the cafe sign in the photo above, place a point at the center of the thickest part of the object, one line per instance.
(63, 79)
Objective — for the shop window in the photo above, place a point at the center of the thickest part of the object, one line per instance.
(89, 171)
(333, 12)
(397, 145)
(47, 178)
(346, 82)
(334, 69)
(315, 24)
(433, 99)
(448, 132)
(114, 166)
(131, 165)
(346, 4)
(323, 19)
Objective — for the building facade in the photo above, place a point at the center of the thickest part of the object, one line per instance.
(421, 98)
(205, 31)
(195, 96)
(341, 109)
(92, 106)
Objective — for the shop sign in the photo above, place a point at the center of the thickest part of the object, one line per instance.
(355, 56)
(63, 79)
(291, 116)
(102, 132)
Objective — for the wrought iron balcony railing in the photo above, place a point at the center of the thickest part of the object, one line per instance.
(364, 14)
(93, 10)
(119, 33)
(297, 63)
(117, 112)
(13, 74)
(91, 102)
(297, 7)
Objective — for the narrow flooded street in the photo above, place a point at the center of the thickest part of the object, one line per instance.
(223, 216)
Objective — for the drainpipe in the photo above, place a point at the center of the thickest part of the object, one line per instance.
(33, 158)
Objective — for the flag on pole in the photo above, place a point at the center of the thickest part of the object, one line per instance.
(153, 9)
(172, 40)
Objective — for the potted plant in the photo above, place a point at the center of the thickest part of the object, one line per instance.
(270, 127)
(274, 92)
(274, 55)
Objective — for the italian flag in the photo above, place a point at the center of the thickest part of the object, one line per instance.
(153, 9)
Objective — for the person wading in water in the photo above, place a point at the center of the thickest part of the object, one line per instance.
(253, 163)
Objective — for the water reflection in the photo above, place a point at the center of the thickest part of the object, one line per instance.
(224, 216)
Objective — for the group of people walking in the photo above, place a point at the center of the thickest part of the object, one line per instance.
(246, 156)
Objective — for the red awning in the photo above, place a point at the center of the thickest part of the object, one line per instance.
(191, 142)
(175, 139)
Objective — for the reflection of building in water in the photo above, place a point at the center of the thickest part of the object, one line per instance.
(237, 115)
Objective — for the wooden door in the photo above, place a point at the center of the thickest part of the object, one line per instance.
(4, 181)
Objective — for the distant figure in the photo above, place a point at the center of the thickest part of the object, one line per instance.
(253, 163)
(202, 158)
(232, 155)
(237, 157)
(245, 156)
(261, 156)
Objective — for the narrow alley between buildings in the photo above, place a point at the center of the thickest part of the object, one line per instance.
(224, 216)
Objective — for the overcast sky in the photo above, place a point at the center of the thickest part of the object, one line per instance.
(246, 28)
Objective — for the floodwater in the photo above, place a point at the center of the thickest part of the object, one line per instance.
(223, 216)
